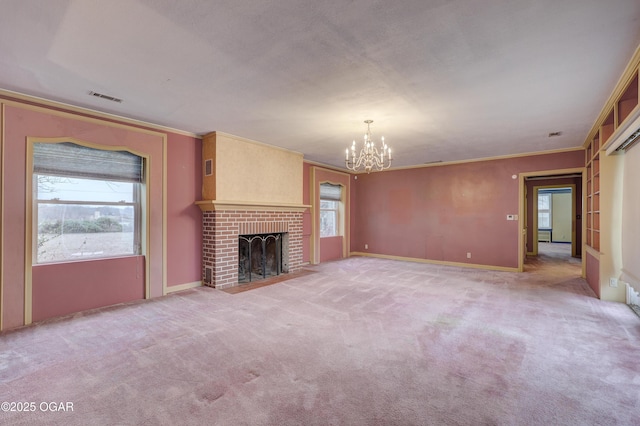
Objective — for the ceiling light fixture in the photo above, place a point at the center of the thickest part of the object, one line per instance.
(369, 157)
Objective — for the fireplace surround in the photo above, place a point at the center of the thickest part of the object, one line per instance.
(221, 236)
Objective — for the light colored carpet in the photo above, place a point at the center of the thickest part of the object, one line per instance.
(561, 249)
(360, 342)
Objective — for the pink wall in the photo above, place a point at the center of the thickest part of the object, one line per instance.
(330, 248)
(65, 288)
(321, 175)
(443, 212)
(183, 220)
(306, 216)
(593, 273)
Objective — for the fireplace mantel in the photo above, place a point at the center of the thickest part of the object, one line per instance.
(219, 205)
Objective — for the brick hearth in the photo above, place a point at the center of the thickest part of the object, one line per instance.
(220, 241)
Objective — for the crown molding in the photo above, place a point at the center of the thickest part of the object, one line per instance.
(626, 77)
(91, 113)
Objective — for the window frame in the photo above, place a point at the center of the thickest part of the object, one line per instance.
(139, 203)
(338, 211)
(336, 215)
(548, 211)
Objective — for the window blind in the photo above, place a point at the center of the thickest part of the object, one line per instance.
(330, 192)
(68, 159)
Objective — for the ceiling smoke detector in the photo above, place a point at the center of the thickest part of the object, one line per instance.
(107, 97)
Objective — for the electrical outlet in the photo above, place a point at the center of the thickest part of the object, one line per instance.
(366, 246)
(613, 282)
(469, 255)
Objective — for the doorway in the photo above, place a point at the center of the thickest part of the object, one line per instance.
(531, 238)
(553, 212)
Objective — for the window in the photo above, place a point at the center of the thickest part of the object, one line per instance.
(330, 200)
(328, 218)
(87, 202)
(544, 211)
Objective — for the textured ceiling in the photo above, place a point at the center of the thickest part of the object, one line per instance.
(442, 79)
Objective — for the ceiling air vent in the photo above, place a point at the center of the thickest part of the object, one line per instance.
(107, 97)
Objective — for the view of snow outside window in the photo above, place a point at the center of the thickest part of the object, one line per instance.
(84, 218)
(328, 218)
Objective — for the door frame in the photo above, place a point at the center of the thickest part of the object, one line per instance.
(536, 189)
(522, 209)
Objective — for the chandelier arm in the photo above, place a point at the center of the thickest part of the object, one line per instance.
(369, 156)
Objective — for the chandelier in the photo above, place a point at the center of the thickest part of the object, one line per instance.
(370, 157)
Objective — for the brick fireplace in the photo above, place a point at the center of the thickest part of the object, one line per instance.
(221, 229)
(248, 188)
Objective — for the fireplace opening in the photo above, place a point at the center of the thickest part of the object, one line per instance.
(259, 256)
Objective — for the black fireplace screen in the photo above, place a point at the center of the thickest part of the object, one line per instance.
(260, 257)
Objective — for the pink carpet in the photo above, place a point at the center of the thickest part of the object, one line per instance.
(360, 342)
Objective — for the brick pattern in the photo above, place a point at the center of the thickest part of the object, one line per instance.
(220, 240)
(252, 228)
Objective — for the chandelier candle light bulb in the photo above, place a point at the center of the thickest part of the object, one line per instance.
(370, 157)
